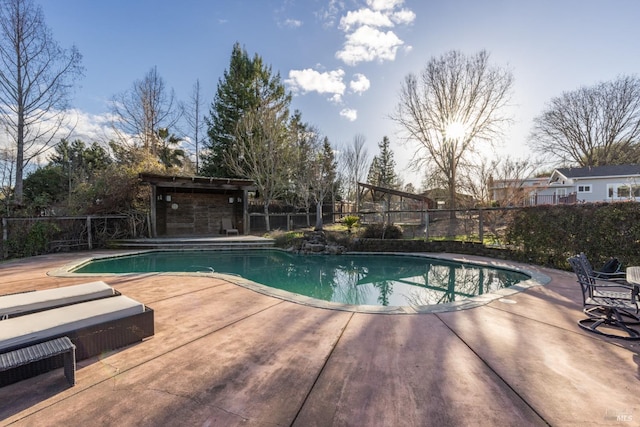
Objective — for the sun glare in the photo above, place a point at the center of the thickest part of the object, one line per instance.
(455, 130)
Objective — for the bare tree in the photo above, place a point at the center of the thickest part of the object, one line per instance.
(457, 102)
(590, 126)
(263, 151)
(143, 110)
(499, 180)
(36, 77)
(355, 164)
(194, 116)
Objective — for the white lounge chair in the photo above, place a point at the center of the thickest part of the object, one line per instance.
(28, 302)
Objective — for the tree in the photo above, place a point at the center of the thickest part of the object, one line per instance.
(591, 126)
(80, 162)
(262, 151)
(59, 185)
(619, 153)
(194, 116)
(458, 102)
(323, 177)
(36, 77)
(242, 90)
(499, 180)
(169, 153)
(7, 165)
(306, 139)
(45, 188)
(355, 161)
(382, 170)
(143, 110)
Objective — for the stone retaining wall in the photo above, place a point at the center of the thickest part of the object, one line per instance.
(468, 248)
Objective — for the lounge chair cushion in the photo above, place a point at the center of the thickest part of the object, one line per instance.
(41, 300)
(35, 327)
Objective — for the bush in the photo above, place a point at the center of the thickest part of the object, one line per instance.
(286, 239)
(32, 238)
(350, 221)
(380, 231)
(548, 235)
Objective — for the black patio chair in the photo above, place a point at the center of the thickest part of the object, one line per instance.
(611, 270)
(610, 306)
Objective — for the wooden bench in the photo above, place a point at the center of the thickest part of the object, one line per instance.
(45, 350)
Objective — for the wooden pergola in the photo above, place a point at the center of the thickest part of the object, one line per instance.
(424, 203)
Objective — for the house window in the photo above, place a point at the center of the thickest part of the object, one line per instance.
(584, 189)
(623, 191)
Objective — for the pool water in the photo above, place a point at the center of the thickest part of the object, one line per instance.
(382, 280)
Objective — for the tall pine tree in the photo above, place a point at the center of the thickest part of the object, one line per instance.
(382, 171)
(245, 87)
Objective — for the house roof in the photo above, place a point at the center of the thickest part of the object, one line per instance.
(599, 171)
(197, 182)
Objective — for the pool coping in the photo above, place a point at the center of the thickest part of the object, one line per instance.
(536, 279)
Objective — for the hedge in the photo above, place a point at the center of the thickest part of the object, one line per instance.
(548, 235)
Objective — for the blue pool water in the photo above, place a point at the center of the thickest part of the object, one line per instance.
(382, 280)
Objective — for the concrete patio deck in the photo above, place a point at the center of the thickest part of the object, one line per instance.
(224, 355)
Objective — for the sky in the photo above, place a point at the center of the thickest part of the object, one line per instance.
(344, 60)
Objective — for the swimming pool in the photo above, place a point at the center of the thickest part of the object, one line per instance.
(353, 279)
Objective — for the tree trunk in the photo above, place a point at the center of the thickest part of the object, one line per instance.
(318, 217)
(266, 216)
(19, 186)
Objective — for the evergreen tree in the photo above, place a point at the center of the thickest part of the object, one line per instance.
(382, 170)
(325, 182)
(78, 160)
(244, 87)
(306, 143)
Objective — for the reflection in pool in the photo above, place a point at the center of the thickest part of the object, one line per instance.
(383, 280)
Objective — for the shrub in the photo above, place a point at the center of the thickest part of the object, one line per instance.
(548, 235)
(282, 239)
(32, 239)
(380, 231)
(350, 221)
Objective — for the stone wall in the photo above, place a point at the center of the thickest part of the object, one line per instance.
(468, 248)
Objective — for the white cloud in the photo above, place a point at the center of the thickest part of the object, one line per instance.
(292, 23)
(364, 17)
(369, 44)
(384, 4)
(90, 128)
(349, 114)
(365, 39)
(309, 80)
(329, 13)
(360, 83)
(336, 98)
(403, 17)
